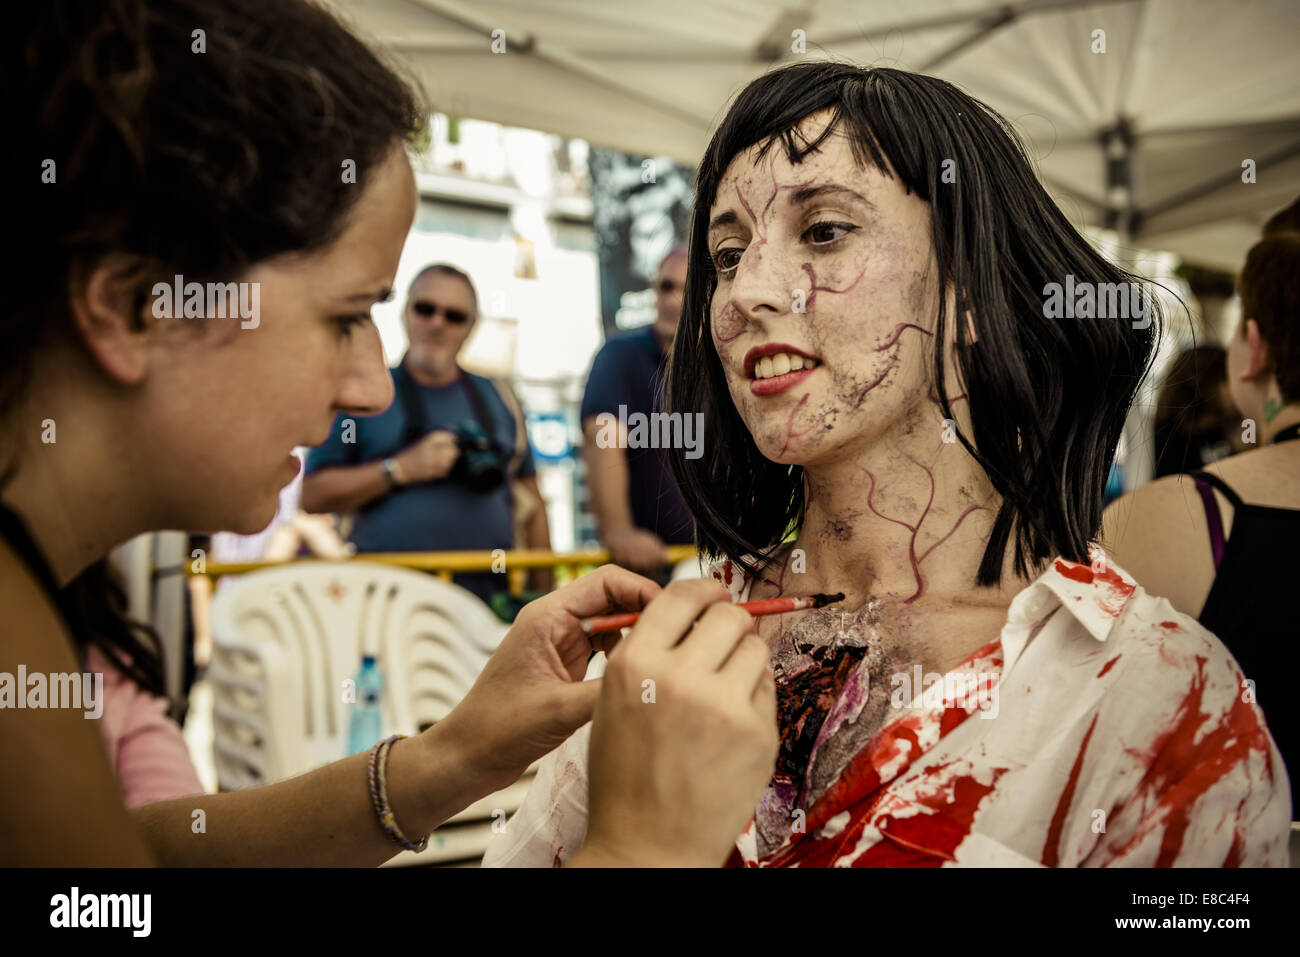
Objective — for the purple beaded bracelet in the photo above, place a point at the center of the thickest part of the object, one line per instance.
(377, 772)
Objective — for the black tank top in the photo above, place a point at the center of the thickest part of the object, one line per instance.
(1251, 607)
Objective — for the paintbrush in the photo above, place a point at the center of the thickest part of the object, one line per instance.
(768, 606)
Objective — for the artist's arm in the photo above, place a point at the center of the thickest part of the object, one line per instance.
(325, 817)
(607, 477)
(345, 488)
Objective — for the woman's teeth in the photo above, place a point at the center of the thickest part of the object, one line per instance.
(781, 363)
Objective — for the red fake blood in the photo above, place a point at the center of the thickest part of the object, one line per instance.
(953, 804)
(1235, 852)
(1086, 576)
(1169, 624)
(1106, 667)
(1185, 762)
(1078, 573)
(1051, 850)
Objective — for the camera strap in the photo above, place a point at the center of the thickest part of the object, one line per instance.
(417, 423)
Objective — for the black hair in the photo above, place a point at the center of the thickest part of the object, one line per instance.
(97, 606)
(195, 137)
(1047, 397)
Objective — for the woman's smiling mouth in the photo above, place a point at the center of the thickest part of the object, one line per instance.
(775, 367)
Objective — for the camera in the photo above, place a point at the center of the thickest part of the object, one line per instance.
(481, 464)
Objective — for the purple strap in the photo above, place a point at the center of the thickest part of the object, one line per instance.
(1212, 519)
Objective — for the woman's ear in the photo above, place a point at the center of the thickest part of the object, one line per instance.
(1257, 354)
(103, 305)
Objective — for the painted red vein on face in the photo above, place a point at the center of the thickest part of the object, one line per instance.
(790, 433)
(813, 288)
(729, 325)
(759, 226)
(1052, 849)
(862, 393)
(776, 190)
(898, 331)
(952, 399)
(915, 529)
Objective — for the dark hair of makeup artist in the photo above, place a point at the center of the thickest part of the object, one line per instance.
(201, 154)
(1048, 397)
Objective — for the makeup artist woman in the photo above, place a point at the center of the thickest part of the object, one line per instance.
(139, 161)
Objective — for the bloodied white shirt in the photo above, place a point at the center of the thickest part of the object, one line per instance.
(1102, 728)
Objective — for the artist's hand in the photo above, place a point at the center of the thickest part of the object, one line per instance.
(684, 738)
(432, 457)
(530, 696)
(637, 549)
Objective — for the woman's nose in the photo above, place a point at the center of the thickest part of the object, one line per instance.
(764, 284)
(367, 385)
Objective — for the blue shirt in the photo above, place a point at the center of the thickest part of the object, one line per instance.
(441, 515)
(629, 371)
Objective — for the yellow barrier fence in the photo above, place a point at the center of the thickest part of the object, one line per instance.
(515, 562)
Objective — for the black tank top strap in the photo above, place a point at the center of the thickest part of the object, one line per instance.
(1288, 434)
(1221, 485)
(15, 532)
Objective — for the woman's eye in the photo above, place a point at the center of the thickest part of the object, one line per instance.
(726, 260)
(823, 234)
(347, 323)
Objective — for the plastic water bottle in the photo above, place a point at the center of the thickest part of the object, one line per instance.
(367, 724)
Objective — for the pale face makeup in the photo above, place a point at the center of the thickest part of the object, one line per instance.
(825, 272)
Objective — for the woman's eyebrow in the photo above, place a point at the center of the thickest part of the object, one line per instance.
(729, 218)
(382, 295)
(809, 193)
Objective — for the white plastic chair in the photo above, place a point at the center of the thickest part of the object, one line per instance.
(286, 639)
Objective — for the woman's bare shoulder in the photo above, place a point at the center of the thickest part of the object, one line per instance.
(1158, 534)
(1265, 476)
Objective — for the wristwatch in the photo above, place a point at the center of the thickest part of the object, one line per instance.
(392, 472)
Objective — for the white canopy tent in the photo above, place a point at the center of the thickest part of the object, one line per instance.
(1148, 137)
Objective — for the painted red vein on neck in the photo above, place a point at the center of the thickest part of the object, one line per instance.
(915, 529)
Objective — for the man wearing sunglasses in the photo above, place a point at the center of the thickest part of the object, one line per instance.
(634, 498)
(436, 470)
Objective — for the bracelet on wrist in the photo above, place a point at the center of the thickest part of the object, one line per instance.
(377, 773)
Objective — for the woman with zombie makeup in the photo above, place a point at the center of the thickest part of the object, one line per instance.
(275, 163)
(890, 413)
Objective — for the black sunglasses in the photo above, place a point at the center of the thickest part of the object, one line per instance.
(667, 285)
(430, 309)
